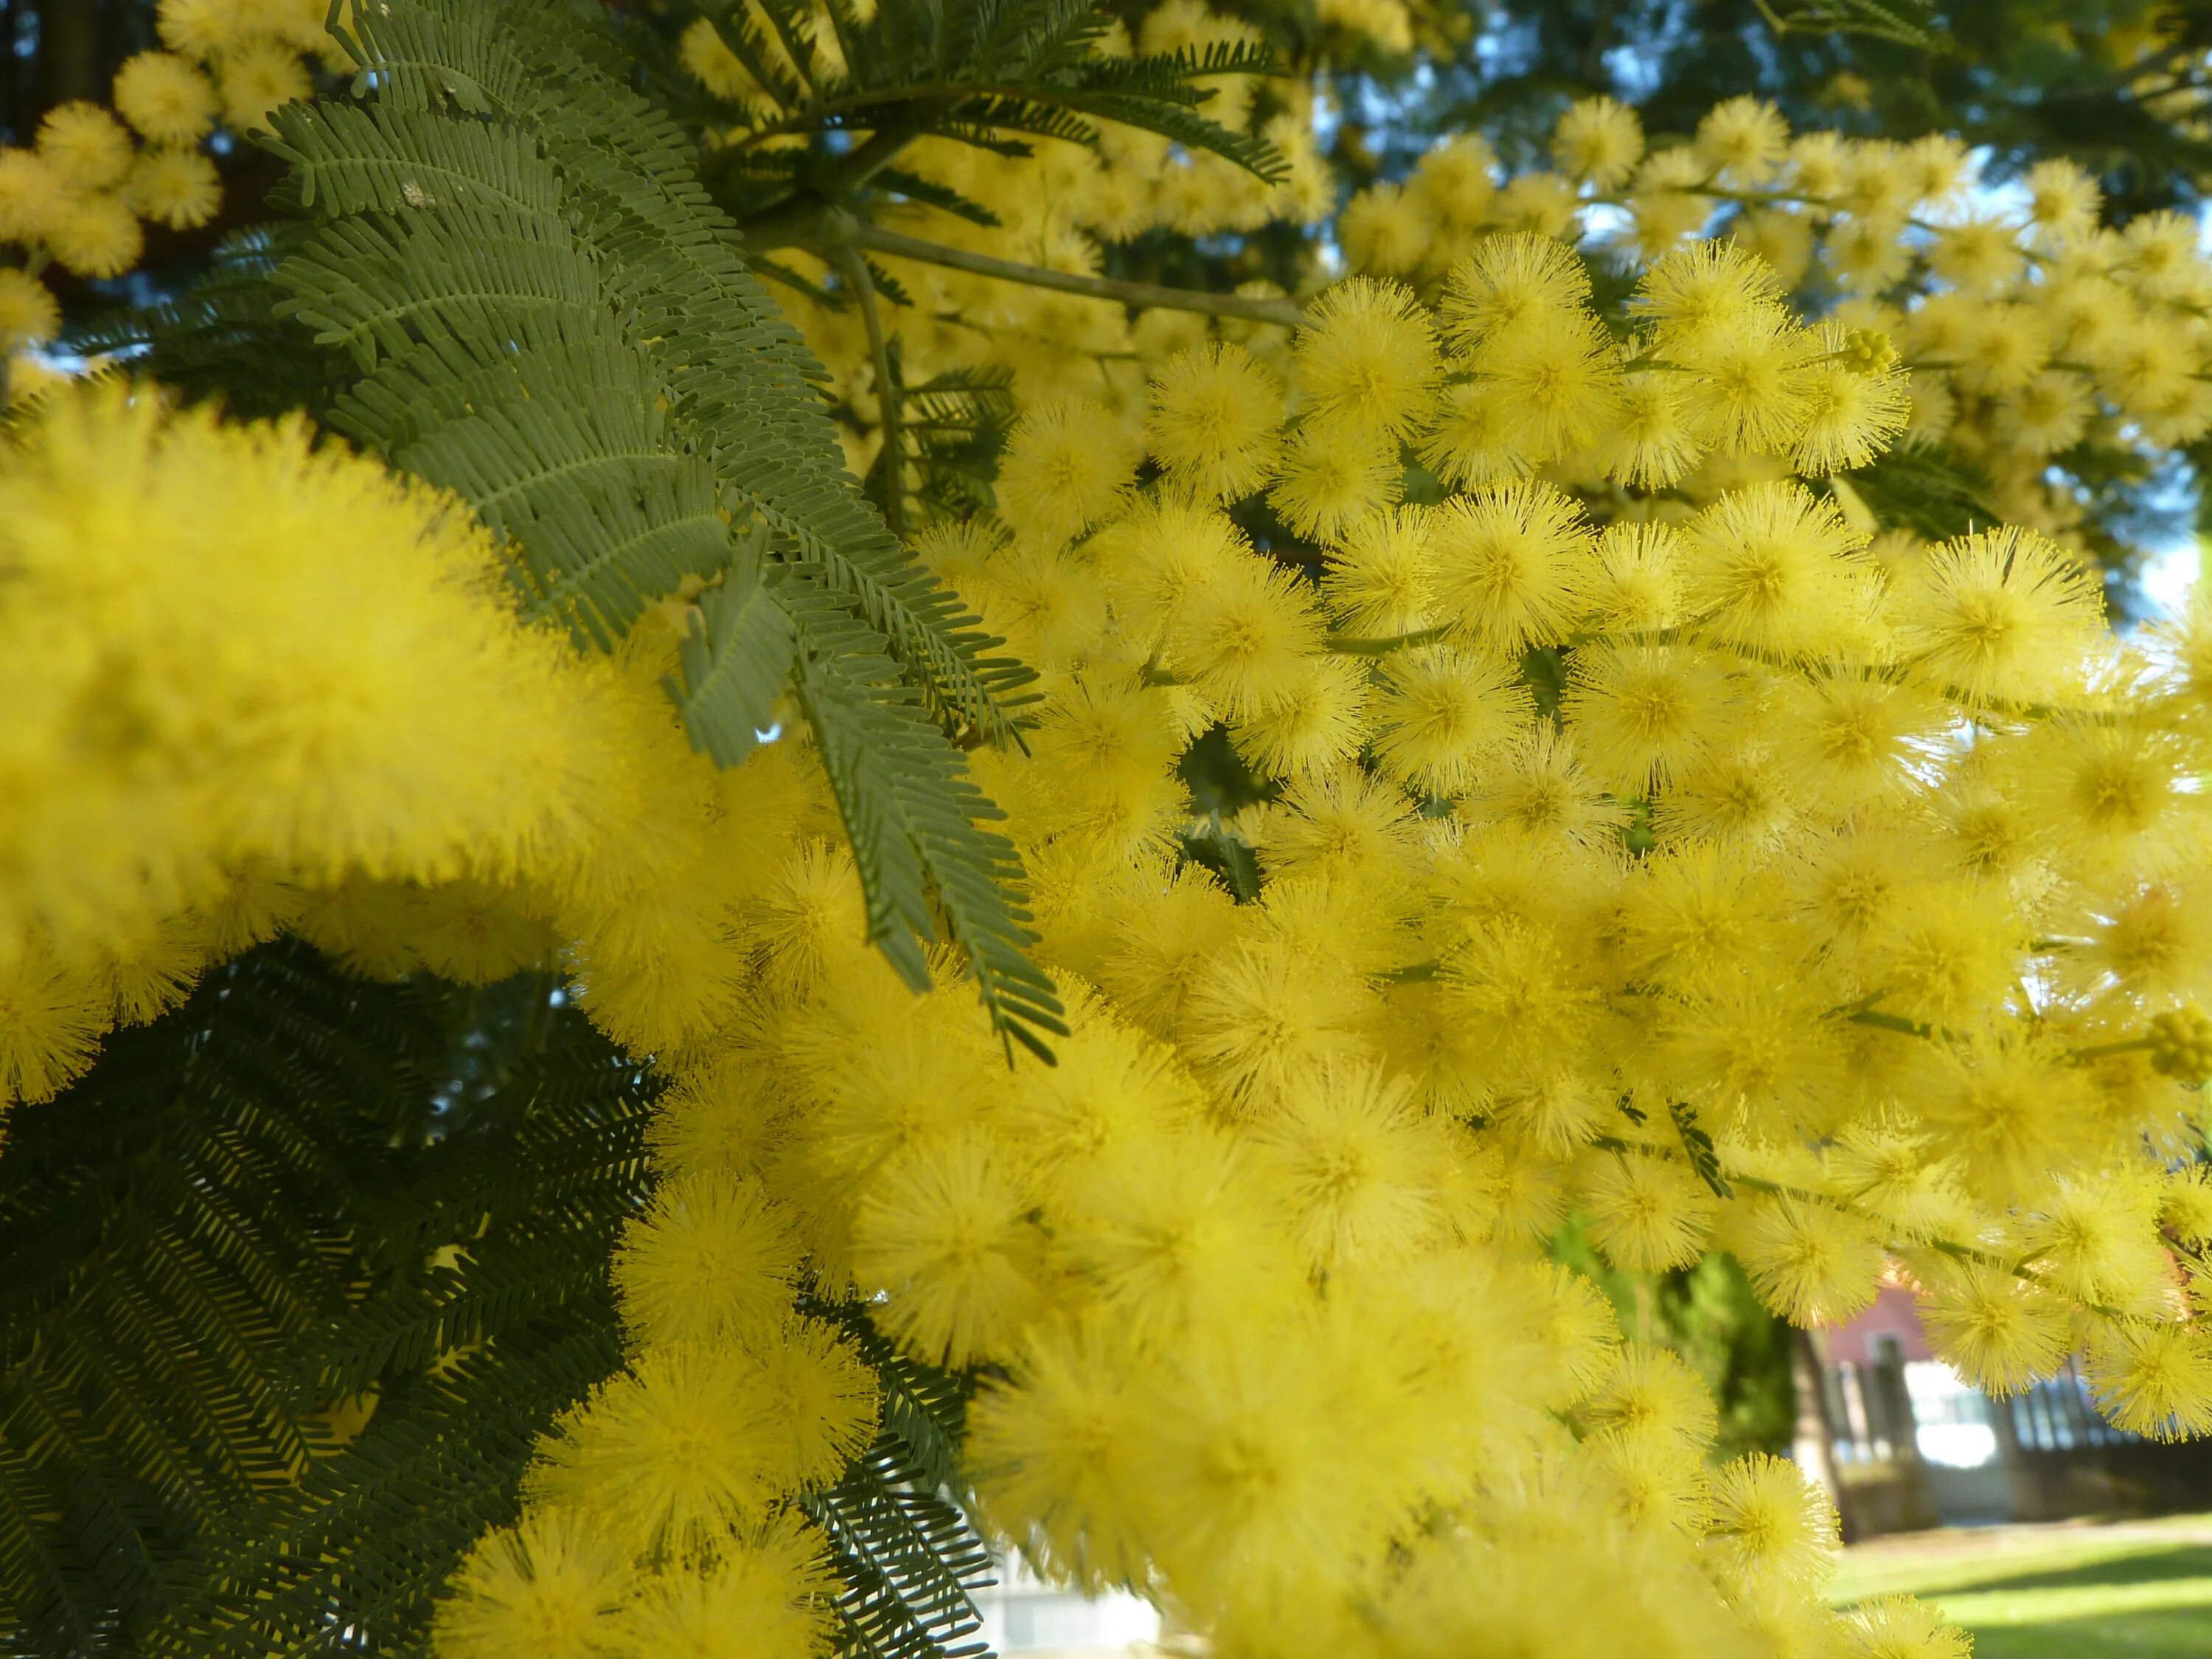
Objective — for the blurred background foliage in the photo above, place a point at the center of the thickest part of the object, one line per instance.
(1708, 1314)
(2119, 86)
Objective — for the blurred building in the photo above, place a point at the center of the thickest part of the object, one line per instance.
(1024, 1614)
(1903, 1442)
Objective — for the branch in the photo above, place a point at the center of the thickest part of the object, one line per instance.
(1349, 646)
(856, 267)
(1284, 314)
(2161, 59)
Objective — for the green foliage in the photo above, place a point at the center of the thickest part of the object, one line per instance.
(911, 812)
(549, 316)
(216, 338)
(1927, 488)
(300, 1200)
(1708, 1314)
(950, 427)
(994, 75)
(905, 1550)
(231, 1237)
(1902, 22)
(997, 76)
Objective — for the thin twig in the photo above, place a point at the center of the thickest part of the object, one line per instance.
(855, 268)
(1284, 314)
(1382, 646)
(2151, 63)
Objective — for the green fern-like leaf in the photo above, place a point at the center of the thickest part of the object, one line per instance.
(911, 812)
(735, 663)
(907, 1555)
(469, 1359)
(221, 338)
(992, 74)
(175, 1227)
(908, 1558)
(246, 1217)
(551, 318)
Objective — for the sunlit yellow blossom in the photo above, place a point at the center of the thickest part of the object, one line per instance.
(177, 188)
(255, 79)
(1214, 420)
(1367, 358)
(1743, 139)
(29, 314)
(1064, 467)
(1507, 281)
(1512, 563)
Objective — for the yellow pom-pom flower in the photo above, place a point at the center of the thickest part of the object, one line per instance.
(165, 98)
(1647, 1214)
(548, 1589)
(1512, 563)
(761, 1599)
(1215, 419)
(1367, 359)
(1065, 463)
(2003, 616)
(1360, 1170)
(1330, 482)
(52, 1018)
(32, 196)
(29, 314)
(712, 1261)
(1899, 1627)
(1652, 1394)
(1387, 231)
(1380, 579)
(944, 1230)
(1598, 140)
(203, 29)
(2153, 1378)
(1743, 139)
(87, 147)
(1703, 293)
(1456, 181)
(1440, 713)
(1639, 713)
(1559, 375)
(1773, 568)
(178, 188)
(1510, 280)
(1810, 1263)
(1772, 1525)
(96, 236)
(255, 78)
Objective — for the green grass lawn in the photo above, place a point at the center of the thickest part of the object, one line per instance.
(2131, 1590)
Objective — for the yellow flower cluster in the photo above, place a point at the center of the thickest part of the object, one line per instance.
(322, 714)
(2026, 324)
(1685, 859)
(1054, 209)
(1711, 875)
(325, 718)
(82, 193)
